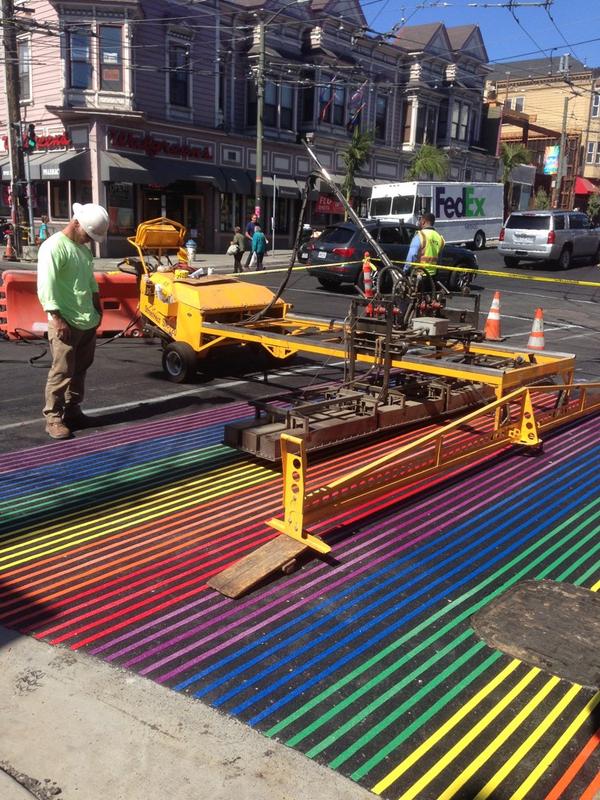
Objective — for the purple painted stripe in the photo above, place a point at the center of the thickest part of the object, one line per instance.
(49, 454)
(432, 526)
(366, 536)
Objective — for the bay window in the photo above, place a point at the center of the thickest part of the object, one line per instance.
(24, 57)
(80, 59)
(179, 75)
(111, 58)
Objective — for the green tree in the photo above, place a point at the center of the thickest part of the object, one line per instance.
(512, 155)
(593, 208)
(428, 162)
(542, 200)
(355, 156)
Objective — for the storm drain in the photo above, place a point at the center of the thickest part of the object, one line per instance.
(554, 626)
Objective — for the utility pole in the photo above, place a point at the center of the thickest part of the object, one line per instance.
(15, 151)
(561, 155)
(260, 111)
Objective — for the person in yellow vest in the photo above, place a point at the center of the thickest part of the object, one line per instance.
(426, 246)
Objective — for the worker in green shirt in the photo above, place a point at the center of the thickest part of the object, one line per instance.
(69, 294)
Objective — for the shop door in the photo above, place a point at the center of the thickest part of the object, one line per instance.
(193, 218)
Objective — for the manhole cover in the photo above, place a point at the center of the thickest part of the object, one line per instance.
(554, 626)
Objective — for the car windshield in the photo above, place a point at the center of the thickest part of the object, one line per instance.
(380, 206)
(529, 223)
(403, 204)
(336, 235)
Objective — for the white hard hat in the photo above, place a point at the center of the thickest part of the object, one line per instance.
(93, 219)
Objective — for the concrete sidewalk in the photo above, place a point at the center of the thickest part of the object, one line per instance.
(220, 262)
(74, 727)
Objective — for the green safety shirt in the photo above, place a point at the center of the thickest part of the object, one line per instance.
(66, 282)
(431, 246)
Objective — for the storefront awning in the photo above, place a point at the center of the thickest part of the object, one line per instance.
(238, 180)
(118, 168)
(69, 166)
(583, 186)
(362, 186)
(285, 187)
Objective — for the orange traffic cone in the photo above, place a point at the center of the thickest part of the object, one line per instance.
(492, 323)
(9, 250)
(536, 337)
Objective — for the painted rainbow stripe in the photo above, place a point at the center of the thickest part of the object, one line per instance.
(368, 664)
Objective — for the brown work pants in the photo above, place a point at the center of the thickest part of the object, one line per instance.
(70, 362)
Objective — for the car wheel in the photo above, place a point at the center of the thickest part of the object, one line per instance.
(329, 284)
(479, 241)
(511, 261)
(179, 362)
(458, 280)
(565, 258)
(596, 257)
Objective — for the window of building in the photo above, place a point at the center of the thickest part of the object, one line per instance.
(339, 106)
(519, 104)
(179, 75)
(80, 59)
(111, 58)
(121, 207)
(24, 55)
(270, 105)
(286, 108)
(59, 199)
(282, 215)
(596, 105)
(406, 121)
(332, 103)
(460, 121)
(226, 221)
(381, 105)
(592, 153)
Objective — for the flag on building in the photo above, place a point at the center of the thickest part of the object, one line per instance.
(355, 107)
(326, 99)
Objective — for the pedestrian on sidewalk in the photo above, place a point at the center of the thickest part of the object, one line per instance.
(237, 245)
(43, 232)
(249, 234)
(69, 294)
(259, 246)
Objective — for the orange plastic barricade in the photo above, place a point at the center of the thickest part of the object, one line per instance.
(22, 315)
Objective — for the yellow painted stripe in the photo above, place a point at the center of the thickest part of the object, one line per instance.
(126, 515)
(476, 763)
(549, 759)
(530, 741)
(387, 781)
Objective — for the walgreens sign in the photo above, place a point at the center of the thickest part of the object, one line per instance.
(150, 145)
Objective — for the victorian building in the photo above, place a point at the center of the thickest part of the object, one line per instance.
(149, 108)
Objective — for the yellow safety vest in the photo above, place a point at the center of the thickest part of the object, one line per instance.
(431, 246)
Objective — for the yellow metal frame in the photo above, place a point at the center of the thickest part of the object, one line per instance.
(159, 237)
(517, 418)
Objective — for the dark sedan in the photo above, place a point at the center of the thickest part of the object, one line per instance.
(336, 256)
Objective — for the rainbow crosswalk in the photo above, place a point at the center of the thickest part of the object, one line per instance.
(367, 663)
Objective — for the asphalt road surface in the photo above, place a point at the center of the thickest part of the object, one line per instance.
(126, 382)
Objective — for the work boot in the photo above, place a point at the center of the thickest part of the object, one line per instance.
(74, 418)
(57, 430)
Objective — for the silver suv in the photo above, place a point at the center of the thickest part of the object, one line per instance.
(558, 236)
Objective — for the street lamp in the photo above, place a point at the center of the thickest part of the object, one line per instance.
(260, 102)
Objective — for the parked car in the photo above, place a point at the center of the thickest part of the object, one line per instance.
(335, 258)
(553, 235)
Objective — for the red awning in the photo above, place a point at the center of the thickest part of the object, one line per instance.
(583, 186)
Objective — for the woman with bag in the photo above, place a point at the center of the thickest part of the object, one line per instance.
(236, 249)
(43, 232)
(259, 247)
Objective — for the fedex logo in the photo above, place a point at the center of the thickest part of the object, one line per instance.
(466, 205)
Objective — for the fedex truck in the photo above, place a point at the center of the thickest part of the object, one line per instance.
(465, 213)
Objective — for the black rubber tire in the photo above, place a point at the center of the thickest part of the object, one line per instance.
(179, 362)
(457, 280)
(479, 241)
(329, 284)
(511, 261)
(565, 258)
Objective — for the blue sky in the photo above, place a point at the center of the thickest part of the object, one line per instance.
(505, 39)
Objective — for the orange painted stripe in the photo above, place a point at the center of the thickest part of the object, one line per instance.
(591, 793)
(567, 778)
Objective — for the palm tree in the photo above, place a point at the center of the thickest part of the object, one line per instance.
(355, 156)
(512, 155)
(428, 162)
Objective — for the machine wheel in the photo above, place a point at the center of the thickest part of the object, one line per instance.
(179, 362)
(565, 258)
(511, 261)
(479, 241)
(329, 284)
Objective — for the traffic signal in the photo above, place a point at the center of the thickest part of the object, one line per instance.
(30, 140)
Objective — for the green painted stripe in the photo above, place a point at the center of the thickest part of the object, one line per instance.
(351, 676)
(49, 498)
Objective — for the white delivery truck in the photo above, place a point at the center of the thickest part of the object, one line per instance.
(465, 213)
